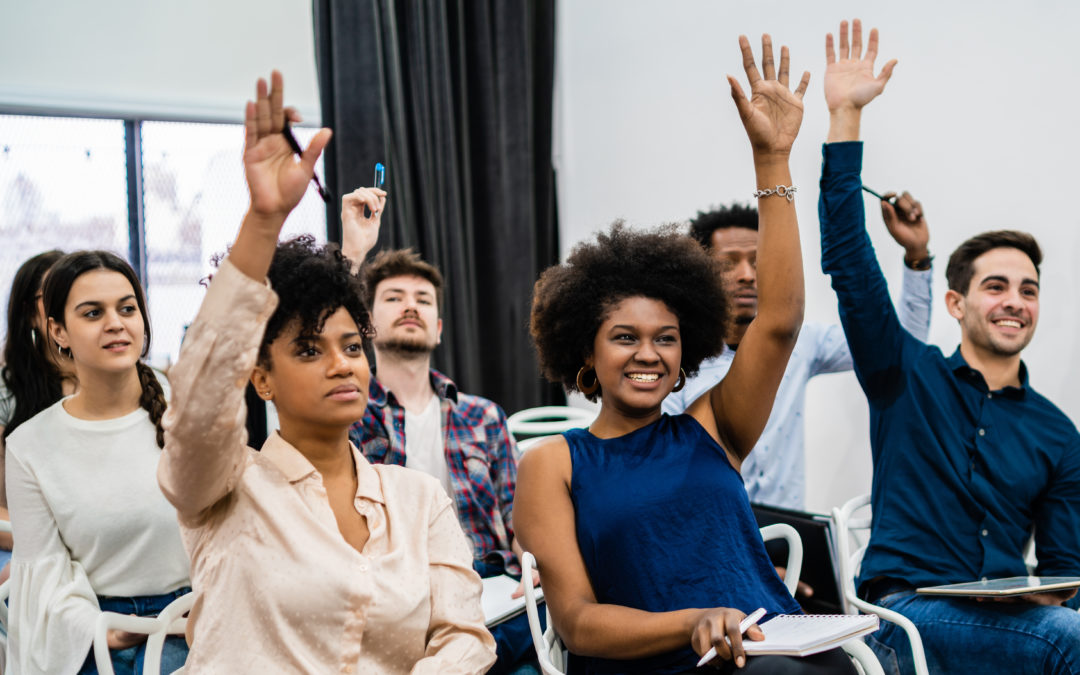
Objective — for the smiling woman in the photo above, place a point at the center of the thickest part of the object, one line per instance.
(93, 531)
(306, 558)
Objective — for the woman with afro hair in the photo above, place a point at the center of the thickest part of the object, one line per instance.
(305, 558)
(642, 531)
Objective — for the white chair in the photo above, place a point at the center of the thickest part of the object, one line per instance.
(846, 525)
(552, 655)
(171, 621)
(549, 419)
(525, 445)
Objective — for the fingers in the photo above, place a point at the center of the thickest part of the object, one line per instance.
(856, 39)
(251, 131)
(845, 52)
(314, 149)
(886, 73)
(749, 66)
(293, 115)
(262, 108)
(755, 633)
(909, 207)
(741, 103)
(731, 628)
(871, 46)
(830, 51)
(785, 58)
(888, 213)
(767, 64)
(800, 91)
(277, 98)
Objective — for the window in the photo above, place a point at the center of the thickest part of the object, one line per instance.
(63, 182)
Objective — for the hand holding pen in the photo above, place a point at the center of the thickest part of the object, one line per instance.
(720, 630)
(906, 221)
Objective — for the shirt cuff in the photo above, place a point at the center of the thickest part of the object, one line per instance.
(843, 157)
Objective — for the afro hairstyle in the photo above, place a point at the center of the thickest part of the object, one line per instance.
(720, 218)
(312, 282)
(572, 300)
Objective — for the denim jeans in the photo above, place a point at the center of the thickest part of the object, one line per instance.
(513, 642)
(130, 661)
(962, 635)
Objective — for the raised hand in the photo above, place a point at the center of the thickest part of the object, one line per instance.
(360, 230)
(276, 180)
(773, 113)
(906, 222)
(849, 76)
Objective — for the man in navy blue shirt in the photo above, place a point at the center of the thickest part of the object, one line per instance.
(968, 458)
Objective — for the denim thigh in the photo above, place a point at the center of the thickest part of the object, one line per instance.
(130, 660)
(962, 635)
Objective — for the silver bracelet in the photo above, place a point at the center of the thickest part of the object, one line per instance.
(785, 191)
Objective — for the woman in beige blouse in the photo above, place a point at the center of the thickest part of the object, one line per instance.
(304, 557)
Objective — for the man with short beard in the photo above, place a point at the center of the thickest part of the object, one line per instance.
(417, 418)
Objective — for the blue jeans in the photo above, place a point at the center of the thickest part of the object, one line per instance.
(961, 635)
(130, 661)
(514, 652)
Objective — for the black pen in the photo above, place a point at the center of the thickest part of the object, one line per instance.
(891, 200)
(286, 131)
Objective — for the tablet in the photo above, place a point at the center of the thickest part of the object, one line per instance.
(1004, 587)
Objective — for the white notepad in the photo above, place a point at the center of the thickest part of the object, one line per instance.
(1004, 587)
(496, 600)
(806, 634)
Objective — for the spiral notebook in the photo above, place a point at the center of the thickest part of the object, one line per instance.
(806, 634)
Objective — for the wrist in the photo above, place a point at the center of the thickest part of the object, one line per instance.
(771, 158)
(844, 123)
(919, 260)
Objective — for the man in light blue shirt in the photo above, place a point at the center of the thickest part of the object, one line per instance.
(775, 472)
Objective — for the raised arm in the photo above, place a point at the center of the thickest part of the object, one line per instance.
(873, 330)
(361, 216)
(738, 407)
(205, 437)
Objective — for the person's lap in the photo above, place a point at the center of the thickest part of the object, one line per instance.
(130, 660)
(962, 635)
(832, 662)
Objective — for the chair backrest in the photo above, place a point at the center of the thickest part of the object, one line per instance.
(171, 621)
(847, 527)
(549, 419)
(550, 652)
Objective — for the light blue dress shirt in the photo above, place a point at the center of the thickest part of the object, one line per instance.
(775, 471)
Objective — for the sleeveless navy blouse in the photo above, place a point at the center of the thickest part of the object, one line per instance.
(664, 523)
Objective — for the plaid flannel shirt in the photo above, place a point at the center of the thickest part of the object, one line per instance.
(480, 454)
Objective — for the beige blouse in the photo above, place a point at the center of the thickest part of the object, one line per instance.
(277, 587)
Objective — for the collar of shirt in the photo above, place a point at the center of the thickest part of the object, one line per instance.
(962, 369)
(295, 467)
(444, 388)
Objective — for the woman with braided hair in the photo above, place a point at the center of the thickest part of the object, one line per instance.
(94, 531)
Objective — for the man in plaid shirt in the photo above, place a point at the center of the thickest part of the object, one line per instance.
(417, 418)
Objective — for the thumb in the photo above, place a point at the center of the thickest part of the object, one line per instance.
(737, 94)
(886, 73)
(315, 148)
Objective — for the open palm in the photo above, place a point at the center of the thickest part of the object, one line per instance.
(849, 74)
(773, 113)
(276, 180)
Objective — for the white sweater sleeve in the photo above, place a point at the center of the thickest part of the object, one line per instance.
(52, 605)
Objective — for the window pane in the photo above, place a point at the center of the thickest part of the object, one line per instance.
(62, 185)
(195, 197)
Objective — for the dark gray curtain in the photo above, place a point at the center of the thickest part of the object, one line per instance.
(455, 98)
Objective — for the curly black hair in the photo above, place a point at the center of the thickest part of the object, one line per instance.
(571, 300)
(705, 223)
(312, 282)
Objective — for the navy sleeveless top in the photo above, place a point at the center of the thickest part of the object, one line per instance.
(664, 523)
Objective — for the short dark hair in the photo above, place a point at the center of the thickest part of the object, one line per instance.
(401, 262)
(961, 266)
(705, 223)
(311, 283)
(58, 283)
(571, 300)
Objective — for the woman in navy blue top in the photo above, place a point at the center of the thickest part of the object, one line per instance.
(642, 531)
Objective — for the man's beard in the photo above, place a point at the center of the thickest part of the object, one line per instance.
(405, 348)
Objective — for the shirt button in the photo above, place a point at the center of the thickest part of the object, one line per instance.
(985, 532)
(363, 568)
(982, 432)
(989, 394)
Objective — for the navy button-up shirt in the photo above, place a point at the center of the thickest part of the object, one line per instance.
(961, 473)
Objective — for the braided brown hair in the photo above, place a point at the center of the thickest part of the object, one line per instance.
(152, 399)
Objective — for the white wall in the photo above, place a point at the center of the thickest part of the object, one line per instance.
(979, 121)
(195, 59)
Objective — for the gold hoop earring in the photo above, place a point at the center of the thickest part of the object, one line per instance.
(682, 381)
(590, 389)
